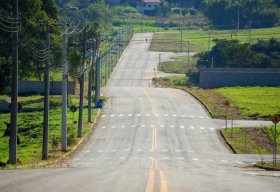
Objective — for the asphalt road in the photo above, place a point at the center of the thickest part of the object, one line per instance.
(149, 139)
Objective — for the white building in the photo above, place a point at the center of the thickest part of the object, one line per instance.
(148, 7)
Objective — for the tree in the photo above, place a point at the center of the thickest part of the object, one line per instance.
(225, 12)
(31, 12)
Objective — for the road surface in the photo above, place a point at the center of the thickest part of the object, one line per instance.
(148, 139)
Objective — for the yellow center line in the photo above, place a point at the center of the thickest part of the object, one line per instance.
(163, 182)
(150, 187)
(151, 178)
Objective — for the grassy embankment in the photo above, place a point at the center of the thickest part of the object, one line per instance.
(30, 127)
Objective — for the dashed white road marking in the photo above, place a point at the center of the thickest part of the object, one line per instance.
(138, 115)
(220, 171)
(180, 158)
(165, 115)
(123, 126)
(139, 150)
(195, 159)
(201, 128)
(172, 126)
(152, 126)
(143, 126)
(120, 115)
(162, 126)
(182, 127)
(192, 127)
(212, 129)
(113, 127)
(224, 161)
(129, 115)
(103, 116)
(191, 116)
(156, 115)
(164, 150)
(87, 151)
(174, 115)
(103, 127)
(112, 115)
(100, 151)
(148, 115)
(183, 116)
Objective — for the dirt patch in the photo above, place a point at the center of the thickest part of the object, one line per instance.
(215, 103)
(250, 141)
(261, 138)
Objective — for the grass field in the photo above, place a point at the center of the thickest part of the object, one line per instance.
(30, 126)
(201, 40)
(178, 65)
(253, 101)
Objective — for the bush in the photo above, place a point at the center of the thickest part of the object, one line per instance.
(121, 10)
(71, 139)
(55, 142)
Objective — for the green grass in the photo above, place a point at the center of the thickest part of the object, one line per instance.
(243, 140)
(178, 65)
(253, 101)
(30, 132)
(173, 81)
(199, 39)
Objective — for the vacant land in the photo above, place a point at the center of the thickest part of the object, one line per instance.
(30, 128)
(179, 64)
(253, 101)
(245, 102)
(202, 40)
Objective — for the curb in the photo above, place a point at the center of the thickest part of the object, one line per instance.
(228, 144)
(267, 168)
(205, 107)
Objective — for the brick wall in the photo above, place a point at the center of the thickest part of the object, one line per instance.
(223, 77)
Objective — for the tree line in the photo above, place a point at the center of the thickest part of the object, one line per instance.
(233, 54)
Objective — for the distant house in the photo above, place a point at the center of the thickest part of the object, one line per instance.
(148, 7)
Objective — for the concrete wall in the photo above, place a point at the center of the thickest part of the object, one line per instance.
(25, 87)
(223, 77)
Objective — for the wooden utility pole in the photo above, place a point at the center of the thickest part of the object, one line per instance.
(14, 97)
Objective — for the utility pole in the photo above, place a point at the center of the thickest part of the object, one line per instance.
(181, 28)
(209, 36)
(14, 96)
(46, 98)
(97, 73)
(238, 17)
(90, 89)
(188, 55)
(64, 92)
(250, 32)
(82, 82)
